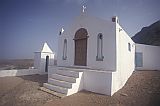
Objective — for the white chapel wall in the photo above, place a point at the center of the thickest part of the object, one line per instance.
(125, 59)
(94, 26)
(150, 57)
(98, 82)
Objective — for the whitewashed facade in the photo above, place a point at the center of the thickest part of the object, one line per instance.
(100, 49)
(147, 57)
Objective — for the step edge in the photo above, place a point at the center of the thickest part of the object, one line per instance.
(61, 81)
(69, 71)
(69, 76)
(62, 86)
(57, 94)
(64, 75)
(57, 86)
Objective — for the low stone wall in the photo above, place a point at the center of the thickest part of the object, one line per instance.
(20, 72)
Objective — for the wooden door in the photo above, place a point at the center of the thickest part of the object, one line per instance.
(81, 47)
(81, 52)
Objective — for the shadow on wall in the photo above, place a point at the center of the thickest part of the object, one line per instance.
(55, 62)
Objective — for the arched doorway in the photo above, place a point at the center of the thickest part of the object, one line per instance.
(47, 63)
(81, 47)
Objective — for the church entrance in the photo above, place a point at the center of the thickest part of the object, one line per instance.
(81, 47)
(47, 63)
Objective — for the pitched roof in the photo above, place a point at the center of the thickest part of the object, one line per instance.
(46, 48)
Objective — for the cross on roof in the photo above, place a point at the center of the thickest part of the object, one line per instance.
(84, 7)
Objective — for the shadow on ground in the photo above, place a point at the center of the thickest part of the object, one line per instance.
(36, 78)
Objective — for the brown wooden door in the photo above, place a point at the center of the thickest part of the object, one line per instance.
(81, 52)
(81, 47)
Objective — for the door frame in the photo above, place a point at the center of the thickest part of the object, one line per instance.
(81, 34)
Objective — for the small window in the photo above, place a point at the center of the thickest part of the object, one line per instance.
(139, 59)
(129, 47)
(65, 49)
(99, 56)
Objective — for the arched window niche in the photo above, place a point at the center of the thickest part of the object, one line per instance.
(129, 47)
(99, 56)
(65, 50)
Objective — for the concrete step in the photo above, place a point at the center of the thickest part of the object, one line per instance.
(73, 69)
(65, 81)
(56, 88)
(68, 73)
(64, 78)
(59, 83)
(52, 92)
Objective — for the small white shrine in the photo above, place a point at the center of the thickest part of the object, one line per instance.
(43, 58)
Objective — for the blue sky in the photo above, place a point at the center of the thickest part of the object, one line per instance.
(26, 24)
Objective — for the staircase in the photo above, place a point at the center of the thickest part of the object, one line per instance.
(65, 82)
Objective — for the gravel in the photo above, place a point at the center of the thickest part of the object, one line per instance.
(142, 89)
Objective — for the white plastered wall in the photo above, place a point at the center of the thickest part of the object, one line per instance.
(151, 57)
(125, 59)
(37, 59)
(94, 26)
(97, 81)
(43, 60)
(40, 60)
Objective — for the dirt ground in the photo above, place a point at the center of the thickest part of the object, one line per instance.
(142, 89)
(23, 91)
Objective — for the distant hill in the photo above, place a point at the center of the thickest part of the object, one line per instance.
(149, 35)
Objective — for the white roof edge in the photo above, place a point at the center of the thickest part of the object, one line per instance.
(46, 48)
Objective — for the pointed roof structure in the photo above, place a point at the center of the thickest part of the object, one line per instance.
(46, 48)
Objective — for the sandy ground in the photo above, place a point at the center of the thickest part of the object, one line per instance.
(142, 89)
(16, 64)
(23, 91)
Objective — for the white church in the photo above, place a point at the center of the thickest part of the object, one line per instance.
(95, 55)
